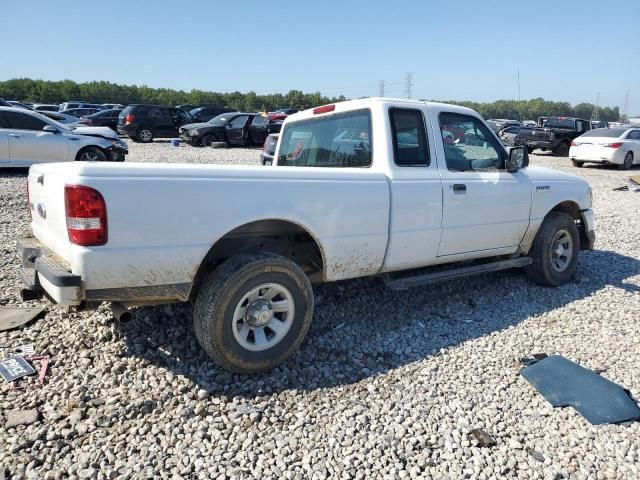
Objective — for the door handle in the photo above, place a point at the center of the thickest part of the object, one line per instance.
(459, 187)
(15, 135)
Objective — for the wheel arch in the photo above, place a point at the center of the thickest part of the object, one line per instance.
(282, 236)
(88, 147)
(572, 209)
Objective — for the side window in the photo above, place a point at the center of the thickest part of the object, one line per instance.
(468, 144)
(579, 126)
(339, 140)
(21, 121)
(634, 135)
(159, 112)
(259, 121)
(410, 147)
(239, 121)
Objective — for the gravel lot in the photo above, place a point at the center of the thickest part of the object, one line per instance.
(387, 385)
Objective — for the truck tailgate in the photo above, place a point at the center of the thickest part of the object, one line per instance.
(46, 202)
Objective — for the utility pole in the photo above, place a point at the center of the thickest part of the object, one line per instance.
(626, 104)
(408, 83)
(596, 111)
(518, 85)
(381, 88)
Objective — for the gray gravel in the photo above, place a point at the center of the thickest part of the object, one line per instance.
(387, 385)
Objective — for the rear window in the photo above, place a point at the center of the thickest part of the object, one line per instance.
(340, 140)
(605, 132)
(560, 122)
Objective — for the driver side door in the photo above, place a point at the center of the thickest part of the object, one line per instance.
(485, 208)
(235, 129)
(29, 144)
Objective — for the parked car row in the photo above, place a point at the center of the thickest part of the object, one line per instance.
(28, 137)
(236, 128)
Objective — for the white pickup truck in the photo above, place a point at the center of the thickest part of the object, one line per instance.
(359, 188)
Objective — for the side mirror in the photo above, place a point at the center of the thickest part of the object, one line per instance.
(518, 158)
(50, 129)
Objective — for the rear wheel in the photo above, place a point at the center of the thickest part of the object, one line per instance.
(562, 150)
(628, 161)
(578, 164)
(91, 154)
(253, 312)
(145, 135)
(554, 251)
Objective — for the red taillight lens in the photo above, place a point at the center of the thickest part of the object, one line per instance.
(86, 215)
(613, 145)
(574, 144)
(129, 119)
(324, 109)
(28, 201)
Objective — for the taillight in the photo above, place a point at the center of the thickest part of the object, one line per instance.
(324, 109)
(28, 201)
(613, 145)
(86, 215)
(129, 119)
(574, 144)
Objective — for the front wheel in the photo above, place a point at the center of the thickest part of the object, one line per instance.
(145, 135)
(207, 140)
(530, 150)
(91, 154)
(562, 150)
(253, 312)
(554, 251)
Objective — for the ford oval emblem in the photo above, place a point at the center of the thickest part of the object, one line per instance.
(42, 211)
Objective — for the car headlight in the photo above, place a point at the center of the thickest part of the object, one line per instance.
(193, 133)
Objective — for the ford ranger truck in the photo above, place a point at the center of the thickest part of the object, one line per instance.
(359, 188)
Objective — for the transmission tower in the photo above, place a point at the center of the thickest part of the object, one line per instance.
(626, 104)
(381, 88)
(595, 116)
(408, 83)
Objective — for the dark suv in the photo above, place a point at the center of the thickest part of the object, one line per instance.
(143, 123)
(204, 114)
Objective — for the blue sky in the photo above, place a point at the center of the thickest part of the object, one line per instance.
(457, 49)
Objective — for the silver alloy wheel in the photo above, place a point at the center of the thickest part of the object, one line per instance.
(263, 317)
(89, 156)
(561, 250)
(145, 135)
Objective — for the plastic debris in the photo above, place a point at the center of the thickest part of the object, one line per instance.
(483, 438)
(26, 349)
(11, 318)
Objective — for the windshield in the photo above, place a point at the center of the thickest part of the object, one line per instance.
(605, 132)
(219, 120)
(56, 124)
(559, 122)
(196, 111)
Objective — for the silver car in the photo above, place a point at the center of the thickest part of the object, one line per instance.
(28, 137)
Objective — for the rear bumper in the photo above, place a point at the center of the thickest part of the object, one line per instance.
(43, 270)
(546, 144)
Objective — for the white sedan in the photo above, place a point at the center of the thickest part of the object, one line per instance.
(613, 146)
(28, 137)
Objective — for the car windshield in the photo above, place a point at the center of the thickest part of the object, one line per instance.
(221, 119)
(559, 122)
(605, 132)
(196, 111)
(58, 124)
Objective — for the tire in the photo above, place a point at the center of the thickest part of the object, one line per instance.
(207, 140)
(562, 150)
(144, 135)
(530, 150)
(232, 338)
(577, 164)
(556, 228)
(628, 161)
(91, 154)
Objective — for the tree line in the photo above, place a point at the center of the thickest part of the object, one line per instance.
(44, 91)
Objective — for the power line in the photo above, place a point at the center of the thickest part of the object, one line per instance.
(408, 83)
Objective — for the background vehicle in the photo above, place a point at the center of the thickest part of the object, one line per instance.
(143, 123)
(102, 118)
(63, 118)
(508, 135)
(27, 137)
(245, 243)
(113, 106)
(77, 104)
(45, 107)
(269, 149)
(555, 135)
(15, 103)
(282, 113)
(599, 124)
(187, 107)
(4, 103)
(500, 123)
(81, 112)
(204, 114)
(614, 146)
(235, 128)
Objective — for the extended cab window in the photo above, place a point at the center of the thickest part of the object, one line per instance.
(468, 143)
(409, 140)
(339, 140)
